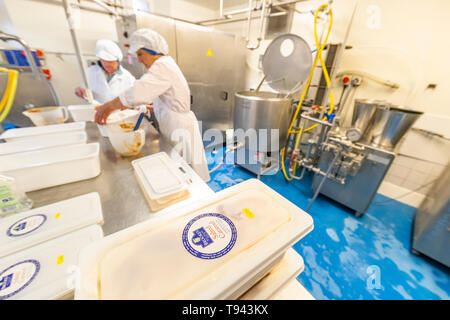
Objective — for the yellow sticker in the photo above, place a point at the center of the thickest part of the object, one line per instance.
(60, 259)
(57, 215)
(209, 53)
(248, 213)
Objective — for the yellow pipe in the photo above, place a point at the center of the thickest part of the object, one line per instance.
(10, 93)
(7, 90)
(327, 78)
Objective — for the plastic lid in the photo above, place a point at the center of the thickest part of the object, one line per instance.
(159, 175)
(43, 142)
(287, 63)
(29, 228)
(206, 251)
(49, 129)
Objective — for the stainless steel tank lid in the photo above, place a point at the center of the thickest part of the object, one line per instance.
(287, 63)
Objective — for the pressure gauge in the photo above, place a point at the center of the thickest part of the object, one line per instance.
(353, 134)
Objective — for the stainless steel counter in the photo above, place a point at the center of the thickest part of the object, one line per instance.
(123, 202)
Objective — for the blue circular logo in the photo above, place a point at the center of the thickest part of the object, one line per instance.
(17, 277)
(209, 236)
(26, 225)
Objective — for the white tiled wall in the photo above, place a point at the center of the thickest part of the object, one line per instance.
(413, 174)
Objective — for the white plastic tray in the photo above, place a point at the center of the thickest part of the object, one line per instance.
(250, 229)
(289, 268)
(48, 270)
(82, 112)
(23, 133)
(50, 167)
(29, 228)
(292, 290)
(33, 143)
(160, 180)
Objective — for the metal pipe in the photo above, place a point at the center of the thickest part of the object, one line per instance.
(324, 178)
(316, 120)
(221, 8)
(76, 44)
(248, 21)
(223, 21)
(105, 6)
(227, 15)
(261, 25)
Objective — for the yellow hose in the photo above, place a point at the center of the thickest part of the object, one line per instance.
(8, 86)
(10, 93)
(327, 78)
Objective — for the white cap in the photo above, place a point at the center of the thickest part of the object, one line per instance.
(108, 50)
(148, 39)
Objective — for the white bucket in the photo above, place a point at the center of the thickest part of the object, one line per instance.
(118, 118)
(127, 142)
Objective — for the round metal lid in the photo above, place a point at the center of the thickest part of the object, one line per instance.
(287, 63)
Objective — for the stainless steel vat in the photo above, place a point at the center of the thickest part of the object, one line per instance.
(363, 113)
(390, 125)
(263, 110)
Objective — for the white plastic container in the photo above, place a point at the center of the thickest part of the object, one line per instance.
(47, 271)
(289, 268)
(25, 133)
(43, 142)
(127, 142)
(162, 183)
(44, 116)
(30, 228)
(119, 119)
(216, 248)
(51, 167)
(82, 112)
(292, 290)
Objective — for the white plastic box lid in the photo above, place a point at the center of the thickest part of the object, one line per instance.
(204, 251)
(48, 270)
(43, 142)
(30, 132)
(29, 228)
(159, 175)
(289, 268)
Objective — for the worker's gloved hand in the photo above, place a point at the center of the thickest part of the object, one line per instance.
(102, 112)
(80, 92)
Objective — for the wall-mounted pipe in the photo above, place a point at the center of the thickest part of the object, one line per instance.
(261, 27)
(77, 47)
(228, 16)
(106, 7)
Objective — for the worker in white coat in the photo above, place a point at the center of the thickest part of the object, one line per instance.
(165, 86)
(107, 79)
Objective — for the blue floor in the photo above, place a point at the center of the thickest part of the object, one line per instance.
(349, 258)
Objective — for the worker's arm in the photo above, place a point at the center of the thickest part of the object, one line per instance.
(102, 112)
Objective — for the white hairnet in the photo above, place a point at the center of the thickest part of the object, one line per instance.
(148, 39)
(108, 50)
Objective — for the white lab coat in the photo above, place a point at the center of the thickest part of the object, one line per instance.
(104, 91)
(165, 86)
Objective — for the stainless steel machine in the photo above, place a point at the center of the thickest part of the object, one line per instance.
(261, 118)
(34, 88)
(431, 229)
(349, 165)
(212, 61)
